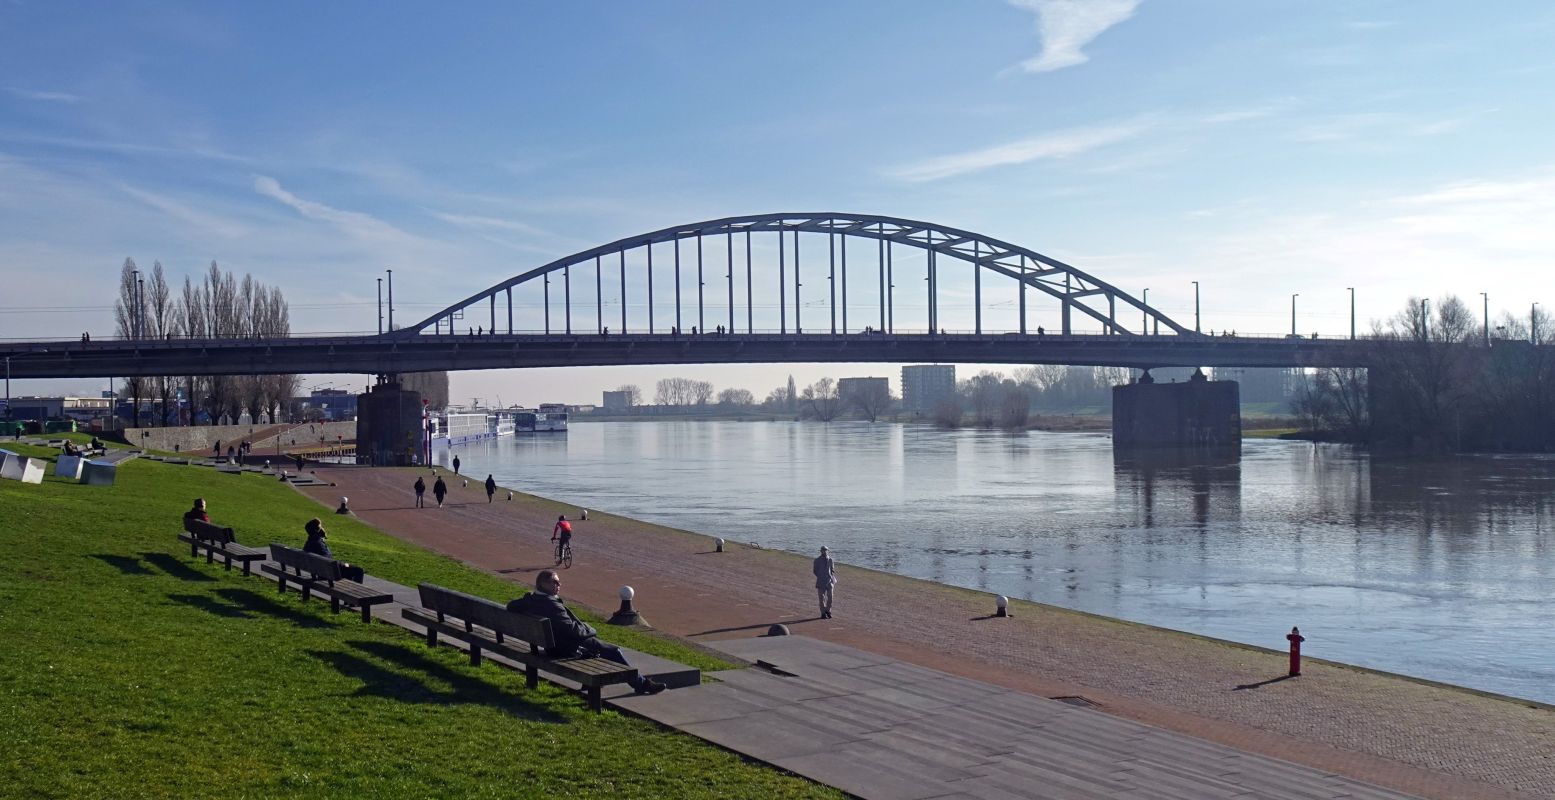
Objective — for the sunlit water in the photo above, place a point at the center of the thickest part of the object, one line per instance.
(1437, 569)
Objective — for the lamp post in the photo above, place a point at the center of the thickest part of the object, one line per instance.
(1144, 315)
(391, 300)
(1352, 311)
(1425, 321)
(380, 306)
(1196, 307)
(134, 304)
(1293, 314)
(1486, 297)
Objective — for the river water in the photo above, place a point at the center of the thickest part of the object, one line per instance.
(1437, 569)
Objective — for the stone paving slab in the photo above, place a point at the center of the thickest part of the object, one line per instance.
(878, 728)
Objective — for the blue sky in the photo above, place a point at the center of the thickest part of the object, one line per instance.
(1263, 149)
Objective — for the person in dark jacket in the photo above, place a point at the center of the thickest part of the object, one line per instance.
(491, 487)
(198, 512)
(440, 490)
(317, 546)
(456, 465)
(421, 490)
(573, 636)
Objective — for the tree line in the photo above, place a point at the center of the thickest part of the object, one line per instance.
(1439, 387)
(218, 305)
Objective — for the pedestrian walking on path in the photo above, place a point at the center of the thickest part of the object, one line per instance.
(491, 488)
(421, 490)
(456, 465)
(440, 490)
(825, 578)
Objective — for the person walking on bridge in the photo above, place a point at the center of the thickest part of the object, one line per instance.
(825, 579)
(491, 487)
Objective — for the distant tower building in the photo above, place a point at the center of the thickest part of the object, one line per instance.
(924, 386)
(875, 387)
(617, 401)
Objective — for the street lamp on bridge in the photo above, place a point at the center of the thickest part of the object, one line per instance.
(1293, 314)
(380, 306)
(1486, 297)
(1144, 315)
(1196, 307)
(1352, 311)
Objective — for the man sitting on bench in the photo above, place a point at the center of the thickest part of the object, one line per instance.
(573, 636)
(317, 546)
(198, 512)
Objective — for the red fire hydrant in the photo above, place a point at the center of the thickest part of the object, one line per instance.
(1295, 638)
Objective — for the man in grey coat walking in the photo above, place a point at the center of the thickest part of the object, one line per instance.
(825, 578)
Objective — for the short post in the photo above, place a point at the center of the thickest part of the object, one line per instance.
(1295, 638)
(626, 615)
(718, 545)
(510, 494)
(583, 513)
(1003, 606)
(777, 630)
(343, 509)
(283, 476)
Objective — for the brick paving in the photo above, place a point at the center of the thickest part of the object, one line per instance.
(1434, 741)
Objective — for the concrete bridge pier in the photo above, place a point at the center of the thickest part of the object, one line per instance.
(1201, 415)
(388, 424)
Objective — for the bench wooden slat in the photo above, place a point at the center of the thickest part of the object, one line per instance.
(484, 625)
(314, 573)
(216, 540)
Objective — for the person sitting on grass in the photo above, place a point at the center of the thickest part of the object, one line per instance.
(198, 512)
(573, 636)
(317, 546)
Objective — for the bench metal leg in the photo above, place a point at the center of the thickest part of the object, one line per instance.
(229, 563)
(246, 562)
(194, 551)
(280, 583)
(596, 703)
(431, 637)
(334, 605)
(210, 555)
(475, 655)
(367, 616)
(531, 676)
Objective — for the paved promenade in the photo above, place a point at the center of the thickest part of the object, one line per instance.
(1418, 738)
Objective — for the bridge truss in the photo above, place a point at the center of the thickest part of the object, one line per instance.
(761, 263)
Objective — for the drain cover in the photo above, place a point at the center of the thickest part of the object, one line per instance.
(1076, 700)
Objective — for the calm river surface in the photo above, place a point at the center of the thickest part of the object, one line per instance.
(1437, 569)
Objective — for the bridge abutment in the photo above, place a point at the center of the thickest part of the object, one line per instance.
(1198, 415)
(388, 425)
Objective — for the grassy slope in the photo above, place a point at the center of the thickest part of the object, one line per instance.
(130, 670)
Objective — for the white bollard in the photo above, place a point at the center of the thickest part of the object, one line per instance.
(1003, 604)
(718, 545)
(343, 509)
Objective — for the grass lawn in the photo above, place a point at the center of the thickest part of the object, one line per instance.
(131, 670)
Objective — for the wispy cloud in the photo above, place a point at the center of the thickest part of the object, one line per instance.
(363, 227)
(1067, 26)
(1054, 145)
(46, 97)
(479, 223)
(205, 222)
(121, 148)
(1369, 24)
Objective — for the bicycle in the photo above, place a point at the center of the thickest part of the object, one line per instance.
(564, 553)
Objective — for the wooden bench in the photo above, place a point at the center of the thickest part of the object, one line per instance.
(317, 574)
(484, 625)
(217, 541)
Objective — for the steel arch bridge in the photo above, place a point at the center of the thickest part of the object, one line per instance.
(1012, 271)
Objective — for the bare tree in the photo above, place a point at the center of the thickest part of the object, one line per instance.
(1014, 405)
(984, 393)
(820, 400)
(792, 395)
(129, 312)
(634, 395)
(701, 392)
(947, 413)
(682, 392)
(869, 398)
(736, 397)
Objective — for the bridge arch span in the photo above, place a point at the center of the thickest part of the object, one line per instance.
(1023, 270)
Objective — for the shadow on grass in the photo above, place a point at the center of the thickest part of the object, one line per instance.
(420, 674)
(537, 568)
(244, 604)
(178, 569)
(129, 565)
